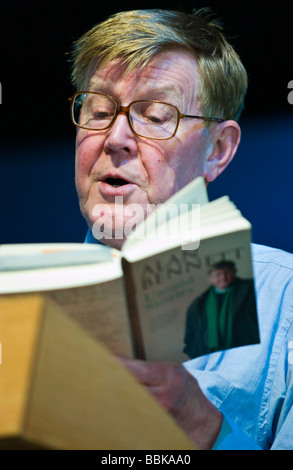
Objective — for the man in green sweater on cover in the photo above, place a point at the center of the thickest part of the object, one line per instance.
(225, 312)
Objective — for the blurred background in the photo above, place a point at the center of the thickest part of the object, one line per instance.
(38, 199)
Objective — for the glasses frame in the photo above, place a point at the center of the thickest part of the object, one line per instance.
(125, 110)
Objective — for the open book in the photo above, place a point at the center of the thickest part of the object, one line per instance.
(158, 298)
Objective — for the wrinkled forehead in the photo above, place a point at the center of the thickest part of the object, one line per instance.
(139, 62)
(170, 73)
(114, 70)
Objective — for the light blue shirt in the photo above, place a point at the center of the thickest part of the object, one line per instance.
(253, 385)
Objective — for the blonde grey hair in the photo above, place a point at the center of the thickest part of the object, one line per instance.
(137, 36)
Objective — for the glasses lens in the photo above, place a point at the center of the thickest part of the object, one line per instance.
(153, 120)
(93, 111)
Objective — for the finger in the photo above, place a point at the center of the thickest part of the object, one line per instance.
(143, 371)
(151, 374)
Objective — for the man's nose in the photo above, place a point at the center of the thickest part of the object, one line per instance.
(121, 136)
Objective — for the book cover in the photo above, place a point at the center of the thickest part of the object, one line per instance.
(182, 285)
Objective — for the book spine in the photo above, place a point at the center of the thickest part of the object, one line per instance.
(131, 294)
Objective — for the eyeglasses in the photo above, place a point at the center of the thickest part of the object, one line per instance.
(147, 118)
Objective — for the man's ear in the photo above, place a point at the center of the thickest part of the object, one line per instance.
(225, 140)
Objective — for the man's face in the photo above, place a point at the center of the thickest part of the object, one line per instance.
(154, 169)
(222, 278)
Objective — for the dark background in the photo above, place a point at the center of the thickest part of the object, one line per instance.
(38, 200)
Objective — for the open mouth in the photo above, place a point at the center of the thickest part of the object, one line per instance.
(116, 182)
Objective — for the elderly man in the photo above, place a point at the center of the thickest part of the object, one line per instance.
(158, 97)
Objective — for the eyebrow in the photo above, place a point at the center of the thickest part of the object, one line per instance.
(158, 93)
(165, 90)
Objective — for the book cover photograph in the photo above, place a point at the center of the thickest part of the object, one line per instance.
(188, 303)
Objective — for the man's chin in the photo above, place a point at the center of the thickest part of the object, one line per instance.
(113, 242)
(113, 232)
(113, 237)
(113, 224)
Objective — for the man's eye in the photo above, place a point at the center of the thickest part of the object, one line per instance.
(102, 115)
(154, 119)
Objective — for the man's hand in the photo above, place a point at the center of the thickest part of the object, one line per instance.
(178, 392)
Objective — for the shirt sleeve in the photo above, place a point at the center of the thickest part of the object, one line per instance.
(281, 402)
(231, 437)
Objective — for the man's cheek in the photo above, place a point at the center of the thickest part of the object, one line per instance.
(162, 186)
(81, 180)
(85, 159)
(89, 146)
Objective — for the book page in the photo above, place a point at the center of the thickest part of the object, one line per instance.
(101, 311)
(42, 266)
(186, 229)
(193, 194)
(51, 255)
(86, 282)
